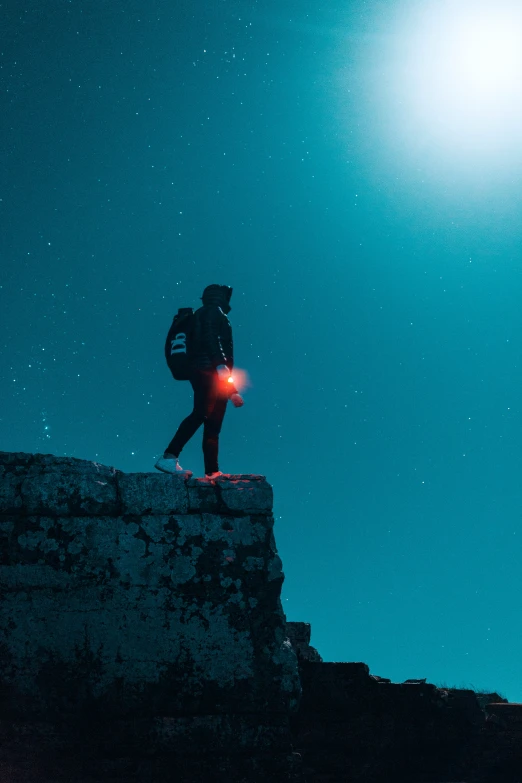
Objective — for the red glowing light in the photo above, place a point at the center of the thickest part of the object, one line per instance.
(240, 379)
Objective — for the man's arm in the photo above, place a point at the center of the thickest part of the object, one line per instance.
(227, 342)
(216, 336)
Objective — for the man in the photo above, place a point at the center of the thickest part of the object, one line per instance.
(211, 362)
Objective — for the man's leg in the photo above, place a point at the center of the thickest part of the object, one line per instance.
(203, 402)
(211, 430)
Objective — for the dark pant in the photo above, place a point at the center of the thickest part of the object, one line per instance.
(209, 410)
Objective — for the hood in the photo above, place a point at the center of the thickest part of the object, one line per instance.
(218, 295)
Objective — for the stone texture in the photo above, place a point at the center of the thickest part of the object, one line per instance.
(56, 486)
(352, 725)
(142, 638)
(151, 493)
(146, 601)
(299, 635)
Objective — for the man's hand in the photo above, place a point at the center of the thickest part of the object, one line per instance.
(236, 400)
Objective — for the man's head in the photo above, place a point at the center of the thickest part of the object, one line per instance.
(218, 295)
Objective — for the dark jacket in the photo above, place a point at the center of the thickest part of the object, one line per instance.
(212, 342)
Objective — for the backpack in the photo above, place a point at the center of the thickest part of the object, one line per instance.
(179, 343)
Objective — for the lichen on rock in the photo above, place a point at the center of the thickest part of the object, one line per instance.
(140, 594)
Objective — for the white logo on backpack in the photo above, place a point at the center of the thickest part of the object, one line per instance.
(179, 344)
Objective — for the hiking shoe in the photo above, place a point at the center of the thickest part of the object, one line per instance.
(217, 474)
(171, 465)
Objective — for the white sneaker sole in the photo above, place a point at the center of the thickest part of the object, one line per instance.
(173, 472)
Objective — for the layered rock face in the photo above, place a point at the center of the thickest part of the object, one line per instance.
(355, 726)
(140, 611)
(142, 639)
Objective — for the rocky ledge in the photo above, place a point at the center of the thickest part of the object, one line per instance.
(142, 638)
(141, 614)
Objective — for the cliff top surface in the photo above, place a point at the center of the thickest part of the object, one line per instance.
(47, 484)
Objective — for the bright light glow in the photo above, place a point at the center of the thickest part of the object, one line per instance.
(457, 75)
(240, 379)
(485, 54)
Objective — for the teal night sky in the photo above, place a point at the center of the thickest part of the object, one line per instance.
(353, 169)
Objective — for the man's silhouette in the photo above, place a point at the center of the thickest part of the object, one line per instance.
(211, 362)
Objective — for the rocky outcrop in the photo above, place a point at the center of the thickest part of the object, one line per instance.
(140, 612)
(142, 638)
(355, 726)
(299, 635)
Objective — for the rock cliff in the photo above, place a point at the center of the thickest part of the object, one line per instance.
(142, 639)
(141, 610)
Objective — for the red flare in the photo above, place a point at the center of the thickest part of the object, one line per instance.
(240, 379)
